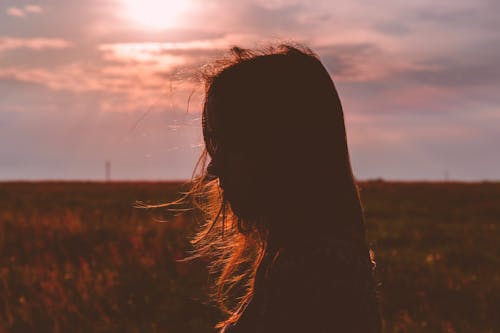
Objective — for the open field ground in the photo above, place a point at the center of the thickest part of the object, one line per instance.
(77, 257)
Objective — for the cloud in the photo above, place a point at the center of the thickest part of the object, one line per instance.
(69, 77)
(124, 86)
(15, 11)
(366, 62)
(160, 47)
(411, 77)
(33, 9)
(24, 11)
(12, 43)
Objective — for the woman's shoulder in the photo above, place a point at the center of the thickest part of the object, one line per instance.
(327, 285)
(319, 286)
(330, 268)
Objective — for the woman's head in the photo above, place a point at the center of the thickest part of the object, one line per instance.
(274, 130)
(279, 167)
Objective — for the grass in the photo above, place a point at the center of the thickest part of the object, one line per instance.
(437, 254)
(77, 257)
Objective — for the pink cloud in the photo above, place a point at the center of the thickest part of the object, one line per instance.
(148, 50)
(126, 86)
(11, 43)
(142, 53)
(15, 11)
(24, 11)
(33, 9)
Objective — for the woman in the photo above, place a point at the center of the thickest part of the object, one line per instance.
(284, 224)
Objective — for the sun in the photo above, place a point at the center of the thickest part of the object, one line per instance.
(155, 14)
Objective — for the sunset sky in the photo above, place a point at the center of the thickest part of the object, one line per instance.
(82, 82)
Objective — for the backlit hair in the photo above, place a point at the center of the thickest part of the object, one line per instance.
(280, 110)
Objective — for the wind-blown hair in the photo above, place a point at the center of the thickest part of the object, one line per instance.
(274, 118)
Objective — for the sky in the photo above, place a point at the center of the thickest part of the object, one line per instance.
(84, 82)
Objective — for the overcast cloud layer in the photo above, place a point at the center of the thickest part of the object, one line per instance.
(82, 83)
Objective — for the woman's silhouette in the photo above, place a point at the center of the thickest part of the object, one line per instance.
(284, 224)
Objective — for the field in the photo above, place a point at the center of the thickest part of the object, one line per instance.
(77, 257)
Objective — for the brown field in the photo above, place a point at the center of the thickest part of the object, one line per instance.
(77, 257)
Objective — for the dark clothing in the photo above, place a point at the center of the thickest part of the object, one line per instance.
(326, 286)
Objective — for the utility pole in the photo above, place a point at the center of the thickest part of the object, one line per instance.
(446, 175)
(108, 171)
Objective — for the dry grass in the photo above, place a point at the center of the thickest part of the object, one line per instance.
(77, 257)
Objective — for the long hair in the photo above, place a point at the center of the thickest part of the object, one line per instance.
(279, 171)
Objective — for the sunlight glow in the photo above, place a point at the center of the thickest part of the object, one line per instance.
(155, 14)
